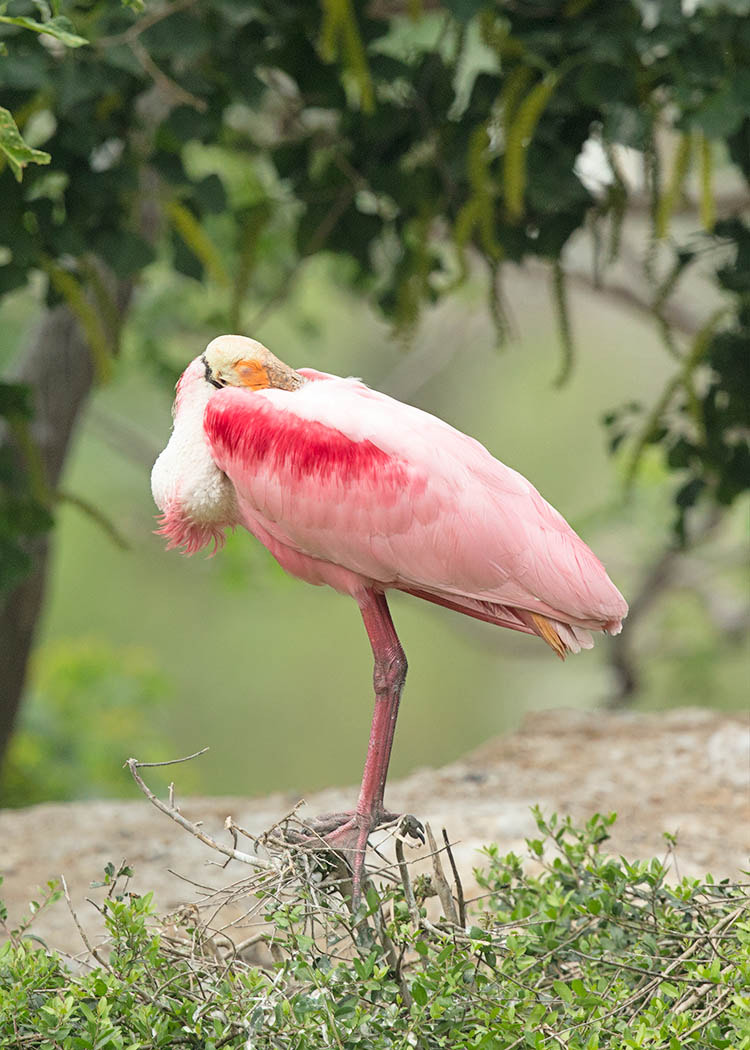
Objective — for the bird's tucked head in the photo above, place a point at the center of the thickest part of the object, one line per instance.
(234, 360)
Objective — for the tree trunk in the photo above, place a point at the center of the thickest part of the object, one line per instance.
(58, 367)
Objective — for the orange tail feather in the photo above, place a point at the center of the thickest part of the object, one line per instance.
(547, 632)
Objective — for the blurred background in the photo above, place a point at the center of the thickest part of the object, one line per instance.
(139, 651)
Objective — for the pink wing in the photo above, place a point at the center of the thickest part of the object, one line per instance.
(348, 476)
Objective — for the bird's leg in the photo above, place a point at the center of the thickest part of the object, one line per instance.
(389, 675)
(350, 836)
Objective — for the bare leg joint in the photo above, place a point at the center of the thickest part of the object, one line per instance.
(389, 674)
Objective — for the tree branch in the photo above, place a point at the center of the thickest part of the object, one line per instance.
(659, 578)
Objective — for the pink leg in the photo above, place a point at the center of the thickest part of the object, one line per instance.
(388, 678)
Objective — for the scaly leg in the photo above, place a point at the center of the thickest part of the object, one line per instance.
(389, 675)
(352, 829)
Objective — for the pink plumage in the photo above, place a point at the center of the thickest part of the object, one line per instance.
(348, 487)
(337, 476)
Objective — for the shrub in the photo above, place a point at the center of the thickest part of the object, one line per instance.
(587, 951)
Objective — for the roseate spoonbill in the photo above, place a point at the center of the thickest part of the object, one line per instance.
(348, 487)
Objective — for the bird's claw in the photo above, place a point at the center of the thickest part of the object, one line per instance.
(410, 827)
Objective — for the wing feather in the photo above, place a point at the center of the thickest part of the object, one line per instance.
(348, 476)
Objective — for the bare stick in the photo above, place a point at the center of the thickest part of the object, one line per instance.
(231, 825)
(245, 858)
(230, 828)
(457, 880)
(210, 890)
(406, 881)
(441, 883)
(271, 832)
(707, 1019)
(134, 31)
(249, 942)
(168, 761)
(113, 884)
(84, 936)
(177, 95)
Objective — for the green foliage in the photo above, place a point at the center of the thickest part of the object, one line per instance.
(89, 707)
(24, 499)
(51, 24)
(50, 893)
(589, 952)
(16, 151)
(57, 28)
(12, 146)
(701, 418)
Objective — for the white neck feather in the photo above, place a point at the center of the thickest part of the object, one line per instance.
(185, 477)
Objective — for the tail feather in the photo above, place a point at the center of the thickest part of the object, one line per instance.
(489, 612)
(561, 637)
(547, 631)
(574, 637)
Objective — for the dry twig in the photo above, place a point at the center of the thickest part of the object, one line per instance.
(255, 861)
(441, 883)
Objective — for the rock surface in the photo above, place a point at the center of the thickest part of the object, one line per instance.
(685, 772)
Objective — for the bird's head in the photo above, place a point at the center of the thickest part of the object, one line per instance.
(234, 360)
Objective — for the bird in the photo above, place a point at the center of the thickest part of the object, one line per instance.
(351, 488)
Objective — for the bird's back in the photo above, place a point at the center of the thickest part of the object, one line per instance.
(346, 476)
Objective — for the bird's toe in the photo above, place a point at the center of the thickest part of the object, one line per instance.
(410, 827)
(327, 822)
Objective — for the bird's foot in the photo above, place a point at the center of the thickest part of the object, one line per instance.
(346, 833)
(328, 823)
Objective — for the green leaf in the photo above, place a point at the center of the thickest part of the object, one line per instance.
(340, 38)
(419, 994)
(15, 400)
(210, 195)
(124, 251)
(562, 989)
(60, 28)
(597, 83)
(17, 152)
(198, 241)
(520, 133)
(628, 125)
(721, 114)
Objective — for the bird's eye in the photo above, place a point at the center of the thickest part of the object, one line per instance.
(211, 377)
